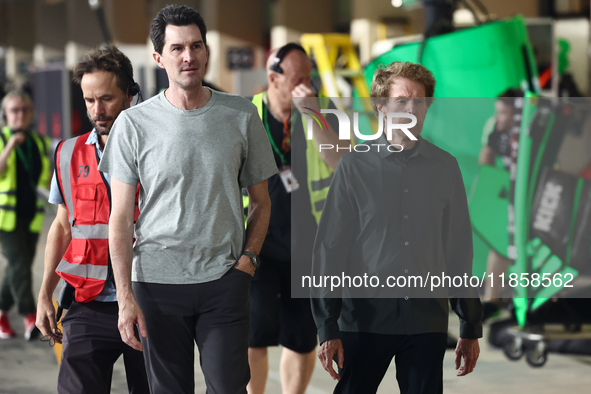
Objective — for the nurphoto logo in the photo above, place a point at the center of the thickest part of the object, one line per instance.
(391, 122)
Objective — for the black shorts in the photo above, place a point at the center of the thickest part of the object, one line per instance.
(276, 318)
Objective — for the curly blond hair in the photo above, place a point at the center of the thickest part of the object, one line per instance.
(384, 77)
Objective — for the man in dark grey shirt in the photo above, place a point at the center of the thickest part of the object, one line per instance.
(391, 213)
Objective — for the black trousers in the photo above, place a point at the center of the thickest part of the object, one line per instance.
(18, 247)
(276, 317)
(215, 315)
(91, 345)
(419, 362)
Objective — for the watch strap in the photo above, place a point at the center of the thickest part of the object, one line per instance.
(253, 257)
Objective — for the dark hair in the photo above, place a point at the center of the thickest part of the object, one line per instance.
(108, 58)
(511, 93)
(177, 16)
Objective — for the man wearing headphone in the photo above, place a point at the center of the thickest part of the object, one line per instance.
(77, 244)
(24, 166)
(277, 318)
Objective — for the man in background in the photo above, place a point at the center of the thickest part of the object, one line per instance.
(24, 167)
(395, 211)
(496, 152)
(77, 244)
(277, 318)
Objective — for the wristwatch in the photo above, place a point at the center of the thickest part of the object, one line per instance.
(256, 261)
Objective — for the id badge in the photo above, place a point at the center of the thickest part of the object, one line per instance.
(289, 182)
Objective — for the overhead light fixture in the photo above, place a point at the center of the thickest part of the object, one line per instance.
(397, 3)
(94, 4)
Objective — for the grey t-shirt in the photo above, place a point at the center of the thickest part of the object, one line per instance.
(191, 166)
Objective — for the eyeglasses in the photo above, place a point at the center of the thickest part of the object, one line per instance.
(51, 338)
(24, 110)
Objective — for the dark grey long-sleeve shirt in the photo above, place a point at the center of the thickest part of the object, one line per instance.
(387, 214)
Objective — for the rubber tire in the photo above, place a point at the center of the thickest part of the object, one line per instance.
(513, 350)
(535, 358)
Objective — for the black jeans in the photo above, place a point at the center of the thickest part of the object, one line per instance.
(215, 315)
(18, 247)
(419, 362)
(92, 344)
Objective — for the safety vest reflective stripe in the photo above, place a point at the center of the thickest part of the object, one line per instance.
(83, 270)
(321, 184)
(43, 181)
(12, 208)
(95, 231)
(319, 205)
(65, 155)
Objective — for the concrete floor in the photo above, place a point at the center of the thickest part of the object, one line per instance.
(31, 368)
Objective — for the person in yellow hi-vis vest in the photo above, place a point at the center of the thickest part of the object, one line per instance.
(300, 187)
(24, 167)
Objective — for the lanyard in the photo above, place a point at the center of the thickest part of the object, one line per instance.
(268, 129)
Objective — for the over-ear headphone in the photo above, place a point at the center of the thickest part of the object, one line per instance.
(134, 88)
(281, 54)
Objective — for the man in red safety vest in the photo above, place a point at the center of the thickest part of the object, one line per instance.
(77, 244)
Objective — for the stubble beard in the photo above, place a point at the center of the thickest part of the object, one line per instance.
(104, 131)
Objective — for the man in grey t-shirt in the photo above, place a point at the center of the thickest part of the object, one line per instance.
(192, 150)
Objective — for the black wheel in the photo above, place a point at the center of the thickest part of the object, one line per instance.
(537, 356)
(514, 349)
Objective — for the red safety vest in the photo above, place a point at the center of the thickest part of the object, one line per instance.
(85, 265)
